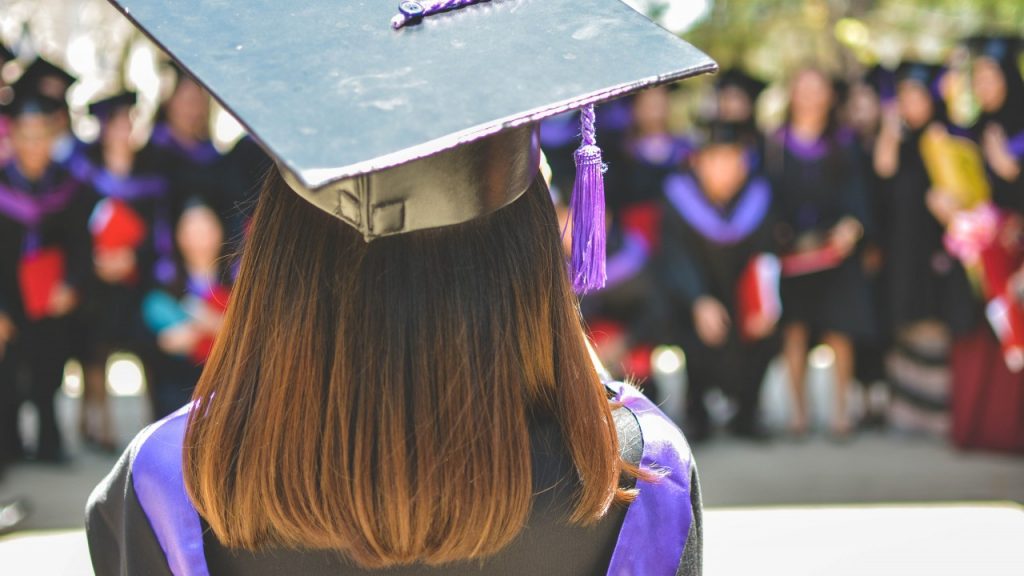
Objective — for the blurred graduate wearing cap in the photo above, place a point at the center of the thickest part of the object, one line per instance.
(627, 317)
(861, 112)
(45, 245)
(923, 285)
(54, 82)
(817, 178)
(181, 140)
(131, 228)
(402, 384)
(999, 91)
(721, 276)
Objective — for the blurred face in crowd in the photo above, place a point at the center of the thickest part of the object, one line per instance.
(188, 110)
(811, 96)
(650, 110)
(863, 111)
(722, 170)
(734, 104)
(989, 84)
(915, 104)
(117, 130)
(32, 138)
(200, 237)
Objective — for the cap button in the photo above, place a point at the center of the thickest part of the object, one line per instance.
(411, 10)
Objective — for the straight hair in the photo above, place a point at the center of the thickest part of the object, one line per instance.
(375, 398)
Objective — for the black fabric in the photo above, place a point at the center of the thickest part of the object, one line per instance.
(813, 194)
(695, 266)
(110, 317)
(122, 542)
(918, 273)
(41, 347)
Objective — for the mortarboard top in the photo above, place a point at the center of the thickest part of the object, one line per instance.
(740, 79)
(336, 95)
(1002, 49)
(717, 132)
(922, 73)
(106, 107)
(29, 100)
(40, 71)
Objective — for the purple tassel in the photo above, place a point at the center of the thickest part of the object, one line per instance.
(587, 264)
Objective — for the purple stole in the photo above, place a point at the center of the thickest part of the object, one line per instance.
(201, 153)
(30, 210)
(628, 261)
(721, 228)
(651, 541)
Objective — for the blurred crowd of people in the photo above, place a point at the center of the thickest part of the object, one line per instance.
(110, 246)
(867, 221)
(733, 244)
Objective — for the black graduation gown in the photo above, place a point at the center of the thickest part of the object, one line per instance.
(920, 277)
(122, 540)
(816, 185)
(112, 311)
(42, 346)
(195, 171)
(698, 259)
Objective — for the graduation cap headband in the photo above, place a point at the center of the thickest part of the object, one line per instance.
(358, 113)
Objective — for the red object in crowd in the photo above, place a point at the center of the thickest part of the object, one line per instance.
(988, 399)
(1007, 320)
(757, 294)
(114, 225)
(217, 301)
(810, 261)
(39, 274)
(645, 219)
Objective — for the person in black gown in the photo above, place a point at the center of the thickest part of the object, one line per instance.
(718, 218)
(402, 384)
(131, 211)
(43, 270)
(920, 278)
(182, 143)
(816, 174)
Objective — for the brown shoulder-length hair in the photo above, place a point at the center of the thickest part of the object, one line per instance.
(374, 398)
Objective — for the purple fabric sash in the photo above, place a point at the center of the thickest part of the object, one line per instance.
(1016, 146)
(110, 185)
(651, 542)
(30, 210)
(202, 153)
(160, 489)
(814, 150)
(628, 261)
(653, 535)
(685, 196)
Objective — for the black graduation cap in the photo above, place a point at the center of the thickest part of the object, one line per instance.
(737, 78)
(48, 79)
(105, 108)
(927, 75)
(724, 132)
(882, 80)
(1002, 49)
(420, 126)
(28, 100)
